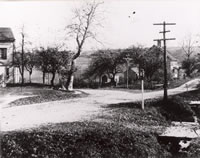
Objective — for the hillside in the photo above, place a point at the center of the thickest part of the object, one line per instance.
(178, 53)
(82, 63)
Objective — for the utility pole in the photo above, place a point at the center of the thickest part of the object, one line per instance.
(142, 86)
(13, 62)
(22, 56)
(164, 39)
(128, 59)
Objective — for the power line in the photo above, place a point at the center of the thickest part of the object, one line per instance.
(164, 39)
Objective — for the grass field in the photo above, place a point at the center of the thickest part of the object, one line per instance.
(34, 94)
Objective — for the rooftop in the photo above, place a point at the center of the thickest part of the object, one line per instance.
(6, 35)
(171, 57)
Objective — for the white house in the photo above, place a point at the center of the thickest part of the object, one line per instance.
(173, 65)
(6, 56)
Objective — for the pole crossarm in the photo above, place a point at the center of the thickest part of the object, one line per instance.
(170, 39)
(158, 24)
(128, 59)
(165, 31)
(158, 40)
(167, 39)
(170, 23)
(164, 23)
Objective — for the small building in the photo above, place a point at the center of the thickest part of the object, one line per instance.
(121, 77)
(7, 69)
(132, 73)
(173, 66)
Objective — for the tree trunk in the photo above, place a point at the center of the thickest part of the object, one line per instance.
(113, 82)
(70, 87)
(70, 78)
(43, 77)
(20, 71)
(62, 82)
(30, 73)
(52, 79)
(22, 76)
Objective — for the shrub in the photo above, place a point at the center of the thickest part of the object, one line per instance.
(176, 109)
(82, 83)
(194, 148)
(78, 139)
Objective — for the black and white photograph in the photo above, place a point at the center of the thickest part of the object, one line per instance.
(99, 79)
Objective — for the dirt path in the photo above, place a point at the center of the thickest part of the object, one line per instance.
(77, 109)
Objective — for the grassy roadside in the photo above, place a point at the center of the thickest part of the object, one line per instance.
(38, 94)
(123, 130)
(120, 131)
(131, 116)
(178, 82)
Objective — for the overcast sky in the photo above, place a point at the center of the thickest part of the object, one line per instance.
(44, 21)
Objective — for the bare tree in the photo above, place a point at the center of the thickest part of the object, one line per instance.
(81, 29)
(188, 46)
(189, 63)
(22, 53)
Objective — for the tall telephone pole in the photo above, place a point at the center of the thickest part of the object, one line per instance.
(22, 58)
(164, 39)
(128, 59)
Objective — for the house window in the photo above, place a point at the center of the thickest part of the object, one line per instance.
(3, 53)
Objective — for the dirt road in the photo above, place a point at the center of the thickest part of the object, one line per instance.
(77, 109)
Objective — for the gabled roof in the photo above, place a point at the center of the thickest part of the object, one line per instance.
(171, 57)
(6, 35)
(136, 70)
